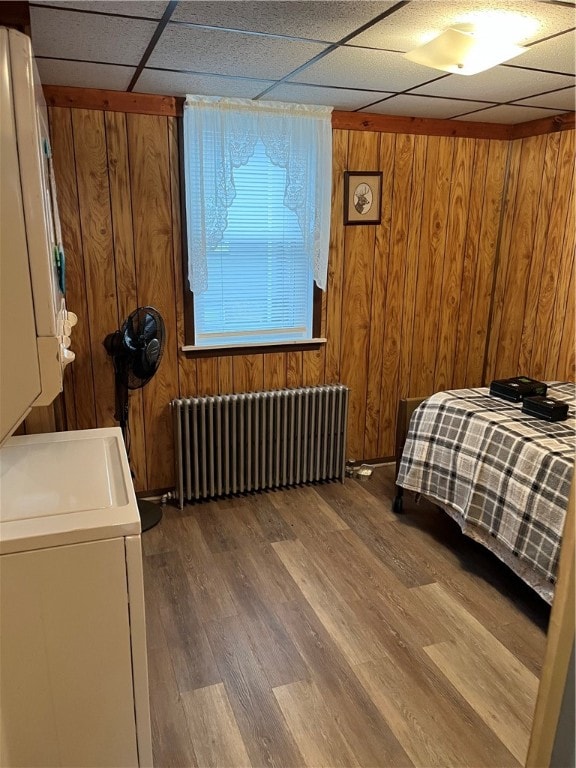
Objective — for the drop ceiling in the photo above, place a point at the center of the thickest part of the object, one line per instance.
(348, 55)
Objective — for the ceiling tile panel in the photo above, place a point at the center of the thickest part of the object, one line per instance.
(350, 67)
(84, 74)
(319, 20)
(555, 55)
(153, 9)
(88, 36)
(421, 106)
(499, 84)
(507, 113)
(418, 22)
(179, 84)
(230, 53)
(339, 98)
(565, 100)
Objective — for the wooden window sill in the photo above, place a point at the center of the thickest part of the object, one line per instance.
(253, 349)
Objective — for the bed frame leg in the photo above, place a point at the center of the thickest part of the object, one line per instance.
(397, 504)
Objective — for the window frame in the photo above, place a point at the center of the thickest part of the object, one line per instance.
(189, 346)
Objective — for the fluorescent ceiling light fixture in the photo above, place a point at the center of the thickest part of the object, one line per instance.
(462, 52)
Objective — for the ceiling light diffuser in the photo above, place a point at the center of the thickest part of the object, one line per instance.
(464, 53)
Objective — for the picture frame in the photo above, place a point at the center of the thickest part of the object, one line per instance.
(362, 197)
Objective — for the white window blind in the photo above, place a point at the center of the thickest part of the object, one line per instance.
(260, 279)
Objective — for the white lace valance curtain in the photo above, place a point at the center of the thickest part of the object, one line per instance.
(220, 135)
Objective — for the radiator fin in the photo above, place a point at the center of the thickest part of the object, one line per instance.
(226, 444)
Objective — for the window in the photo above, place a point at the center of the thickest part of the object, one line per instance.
(258, 181)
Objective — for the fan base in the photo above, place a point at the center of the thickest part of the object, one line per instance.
(150, 514)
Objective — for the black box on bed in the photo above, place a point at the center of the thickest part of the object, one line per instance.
(517, 388)
(545, 408)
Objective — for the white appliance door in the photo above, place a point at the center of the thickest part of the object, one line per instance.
(34, 152)
(19, 366)
(65, 658)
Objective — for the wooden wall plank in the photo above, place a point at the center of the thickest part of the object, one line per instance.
(313, 366)
(394, 296)
(248, 373)
(126, 295)
(503, 258)
(78, 378)
(525, 215)
(225, 375)
(187, 381)
(555, 273)
(431, 263)
(411, 277)
(207, 376)
(336, 258)
(363, 150)
(539, 251)
(566, 366)
(471, 246)
(275, 370)
(484, 277)
(453, 261)
(152, 223)
(294, 369)
(564, 304)
(378, 318)
(98, 247)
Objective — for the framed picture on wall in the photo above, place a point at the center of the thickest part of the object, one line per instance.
(362, 197)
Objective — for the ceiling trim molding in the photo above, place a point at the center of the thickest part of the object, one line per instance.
(112, 101)
(172, 106)
(425, 126)
(565, 122)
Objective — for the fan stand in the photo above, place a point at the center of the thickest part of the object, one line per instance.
(150, 514)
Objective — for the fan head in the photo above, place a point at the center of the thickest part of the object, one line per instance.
(142, 339)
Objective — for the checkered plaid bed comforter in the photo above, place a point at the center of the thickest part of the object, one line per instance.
(496, 467)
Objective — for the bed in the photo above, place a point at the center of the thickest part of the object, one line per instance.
(503, 475)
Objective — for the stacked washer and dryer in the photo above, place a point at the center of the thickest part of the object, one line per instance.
(73, 669)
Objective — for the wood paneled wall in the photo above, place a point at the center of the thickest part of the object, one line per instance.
(533, 313)
(409, 302)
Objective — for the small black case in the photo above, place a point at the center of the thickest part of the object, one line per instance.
(517, 388)
(545, 408)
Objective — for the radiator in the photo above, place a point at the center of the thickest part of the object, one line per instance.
(229, 444)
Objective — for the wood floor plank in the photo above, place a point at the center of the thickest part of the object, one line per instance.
(372, 590)
(190, 652)
(355, 506)
(264, 730)
(172, 746)
(489, 676)
(493, 697)
(215, 734)
(210, 592)
(313, 726)
(268, 639)
(461, 623)
(218, 527)
(306, 513)
(261, 509)
(266, 572)
(402, 689)
(525, 640)
(363, 728)
(353, 638)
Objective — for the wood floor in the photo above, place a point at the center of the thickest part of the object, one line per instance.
(313, 627)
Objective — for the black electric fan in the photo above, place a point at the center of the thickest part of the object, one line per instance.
(136, 349)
